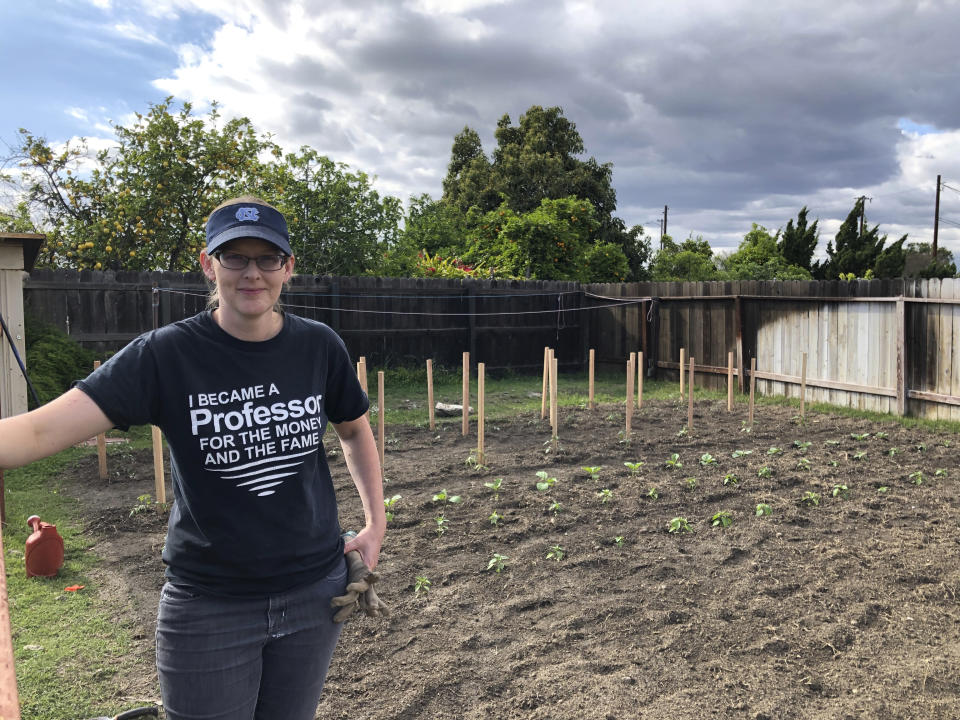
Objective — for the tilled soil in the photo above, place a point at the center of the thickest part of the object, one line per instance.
(841, 608)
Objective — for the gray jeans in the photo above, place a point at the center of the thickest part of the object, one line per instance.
(246, 659)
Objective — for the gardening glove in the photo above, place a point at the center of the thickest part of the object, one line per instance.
(360, 593)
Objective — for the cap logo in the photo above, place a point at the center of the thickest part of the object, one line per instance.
(248, 214)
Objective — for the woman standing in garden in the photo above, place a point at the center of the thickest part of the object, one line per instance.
(254, 554)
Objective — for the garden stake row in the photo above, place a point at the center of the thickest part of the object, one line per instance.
(630, 363)
(159, 488)
(546, 375)
(466, 393)
(803, 384)
(753, 383)
(362, 377)
(481, 392)
(640, 380)
(590, 383)
(683, 353)
(690, 403)
(101, 444)
(729, 382)
(380, 413)
(554, 407)
(430, 412)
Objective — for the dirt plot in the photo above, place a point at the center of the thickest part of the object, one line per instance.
(843, 609)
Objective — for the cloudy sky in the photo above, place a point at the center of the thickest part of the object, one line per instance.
(729, 112)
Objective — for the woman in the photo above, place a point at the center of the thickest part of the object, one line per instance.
(254, 555)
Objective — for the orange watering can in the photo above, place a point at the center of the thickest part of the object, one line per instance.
(44, 553)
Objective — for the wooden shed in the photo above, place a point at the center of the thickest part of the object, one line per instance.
(18, 251)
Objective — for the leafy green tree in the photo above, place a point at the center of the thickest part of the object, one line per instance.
(891, 260)
(18, 220)
(759, 258)
(798, 242)
(691, 260)
(434, 226)
(468, 181)
(854, 253)
(919, 262)
(339, 225)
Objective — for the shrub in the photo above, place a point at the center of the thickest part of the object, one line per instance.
(53, 360)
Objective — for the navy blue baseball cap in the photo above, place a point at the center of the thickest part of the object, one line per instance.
(243, 219)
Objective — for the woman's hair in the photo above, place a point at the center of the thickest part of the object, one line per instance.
(213, 296)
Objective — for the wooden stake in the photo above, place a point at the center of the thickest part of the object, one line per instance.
(159, 488)
(101, 444)
(481, 372)
(554, 408)
(466, 393)
(639, 380)
(690, 396)
(803, 384)
(9, 702)
(590, 386)
(683, 364)
(729, 382)
(430, 412)
(546, 382)
(629, 413)
(362, 377)
(380, 413)
(753, 384)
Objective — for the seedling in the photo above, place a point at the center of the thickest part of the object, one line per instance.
(860, 436)
(921, 447)
(421, 584)
(773, 450)
(653, 493)
(495, 518)
(832, 463)
(618, 541)
(495, 485)
(471, 462)
(832, 442)
(389, 504)
(498, 563)
(880, 435)
(605, 495)
(143, 504)
(859, 455)
(707, 459)
(691, 483)
(722, 519)
(741, 453)
(674, 462)
(765, 472)
(441, 525)
(940, 473)
(810, 498)
(803, 464)
(593, 471)
(546, 482)
(916, 477)
(840, 491)
(634, 467)
(893, 451)
(555, 507)
(730, 479)
(556, 553)
(444, 496)
(679, 525)
(802, 445)
(763, 509)
(882, 489)
(682, 432)
(744, 427)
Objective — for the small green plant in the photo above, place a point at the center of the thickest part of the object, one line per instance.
(741, 453)
(832, 442)
(618, 541)
(143, 504)
(691, 483)
(940, 472)
(832, 463)
(556, 553)
(801, 445)
(555, 507)
(860, 455)
(763, 509)
(495, 518)
(707, 459)
(679, 525)
(593, 471)
(653, 493)
(674, 462)
(773, 450)
(495, 486)
(498, 563)
(765, 472)
(745, 427)
(917, 477)
(605, 495)
(860, 436)
(730, 479)
(882, 489)
(893, 451)
(810, 498)
(546, 482)
(921, 447)
(722, 519)
(634, 467)
(442, 523)
(682, 432)
(421, 584)
(880, 435)
(471, 462)
(444, 496)
(803, 464)
(840, 491)
(390, 503)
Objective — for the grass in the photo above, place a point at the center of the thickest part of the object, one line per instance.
(69, 648)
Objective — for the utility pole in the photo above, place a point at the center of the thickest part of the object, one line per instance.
(665, 208)
(936, 220)
(863, 210)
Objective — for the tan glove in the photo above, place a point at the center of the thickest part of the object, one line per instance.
(360, 592)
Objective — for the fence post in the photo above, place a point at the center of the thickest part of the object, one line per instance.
(901, 357)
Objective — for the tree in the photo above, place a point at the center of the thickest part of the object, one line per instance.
(853, 253)
(339, 225)
(18, 221)
(891, 260)
(759, 258)
(919, 262)
(691, 261)
(798, 242)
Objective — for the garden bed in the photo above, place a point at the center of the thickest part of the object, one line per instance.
(841, 603)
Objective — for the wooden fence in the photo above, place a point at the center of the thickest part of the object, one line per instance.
(888, 346)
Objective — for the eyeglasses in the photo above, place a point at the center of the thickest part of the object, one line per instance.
(236, 261)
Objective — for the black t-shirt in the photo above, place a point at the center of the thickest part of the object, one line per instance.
(254, 509)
